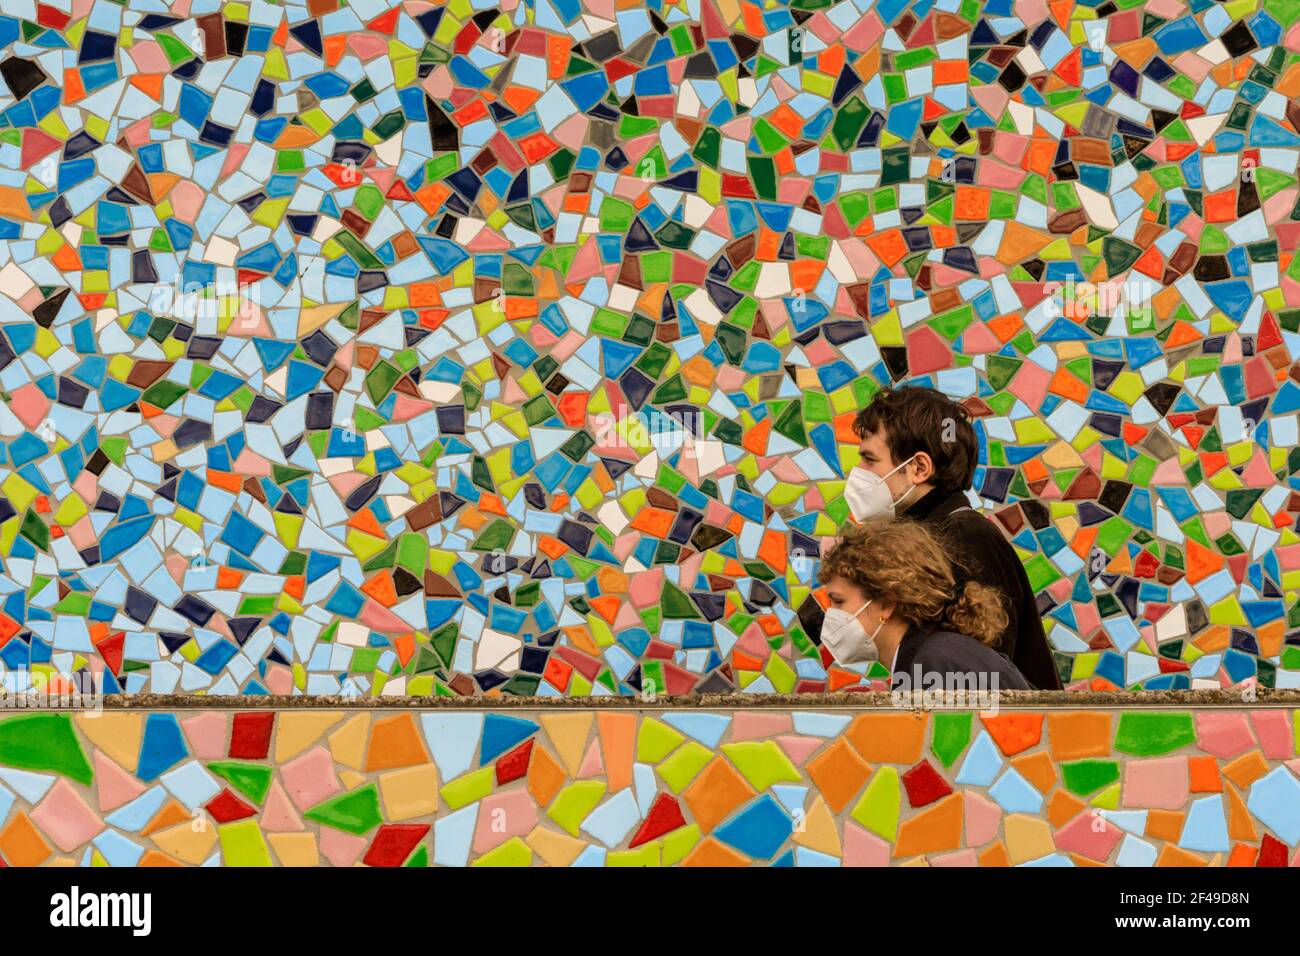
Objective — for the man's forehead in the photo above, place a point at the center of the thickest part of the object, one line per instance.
(875, 444)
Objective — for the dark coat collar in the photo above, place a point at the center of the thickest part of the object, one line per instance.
(937, 504)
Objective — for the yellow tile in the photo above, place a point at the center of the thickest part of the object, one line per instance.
(569, 732)
(557, 849)
(118, 735)
(1028, 838)
(410, 792)
(297, 730)
(348, 743)
(294, 849)
(351, 779)
(817, 829)
(189, 842)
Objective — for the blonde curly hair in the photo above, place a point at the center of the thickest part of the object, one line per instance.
(900, 562)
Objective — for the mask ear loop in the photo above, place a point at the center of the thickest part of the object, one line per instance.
(879, 627)
(910, 488)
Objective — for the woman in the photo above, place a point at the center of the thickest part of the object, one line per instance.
(895, 598)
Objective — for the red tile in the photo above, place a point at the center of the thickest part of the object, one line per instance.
(225, 807)
(250, 735)
(514, 764)
(924, 785)
(394, 843)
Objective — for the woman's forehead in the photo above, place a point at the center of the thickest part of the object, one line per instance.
(841, 587)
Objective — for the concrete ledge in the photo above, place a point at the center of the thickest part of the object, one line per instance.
(1009, 700)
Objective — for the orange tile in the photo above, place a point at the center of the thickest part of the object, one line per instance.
(971, 202)
(157, 858)
(170, 815)
(1019, 242)
(1038, 769)
(1015, 732)
(888, 738)
(1165, 824)
(1270, 637)
(21, 844)
(1173, 856)
(1246, 769)
(839, 774)
(618, 747)
(545, 775)
(395, 742)
(1204, 774)
(888, 246)
(933, 830)
(715, 793)
(710, 852)
(1074, 735)
(995, 855)
(1062, 808)
(1240, 826)
(1243, 855)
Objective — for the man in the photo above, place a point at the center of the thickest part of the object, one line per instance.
(918, 454)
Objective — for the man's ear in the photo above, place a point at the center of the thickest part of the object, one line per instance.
(922, 467)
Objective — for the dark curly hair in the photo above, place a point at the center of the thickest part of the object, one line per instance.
(914, 418)
(901, 563)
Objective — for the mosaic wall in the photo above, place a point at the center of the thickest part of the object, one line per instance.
(459, 349)
(621, 788)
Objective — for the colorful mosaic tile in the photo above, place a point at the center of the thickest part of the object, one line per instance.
(308, 787)
(468, 348)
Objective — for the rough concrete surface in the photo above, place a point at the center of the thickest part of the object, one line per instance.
(1006, 700)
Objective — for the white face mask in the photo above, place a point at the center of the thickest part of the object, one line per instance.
(869, 496)
(845, 637)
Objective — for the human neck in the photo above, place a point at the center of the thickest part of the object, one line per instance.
(916, 494)
(887, 642)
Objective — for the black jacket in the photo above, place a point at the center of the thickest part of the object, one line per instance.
(982, 554)
(947, 654)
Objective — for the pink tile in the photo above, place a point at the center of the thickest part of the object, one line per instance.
(797, 748)
(1156, 784)
(114, 786)
(754, 726)
(279, 816)
(1274, 733)
(982, 819)
(1088, 835)
(29, 403)
(862, 848)
(65, 818)
(957, 858)
(341, 849)
(502, 816)
(645, 588)
(309, 779)
(206, 734)
(1224, 735)
(592, 764)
